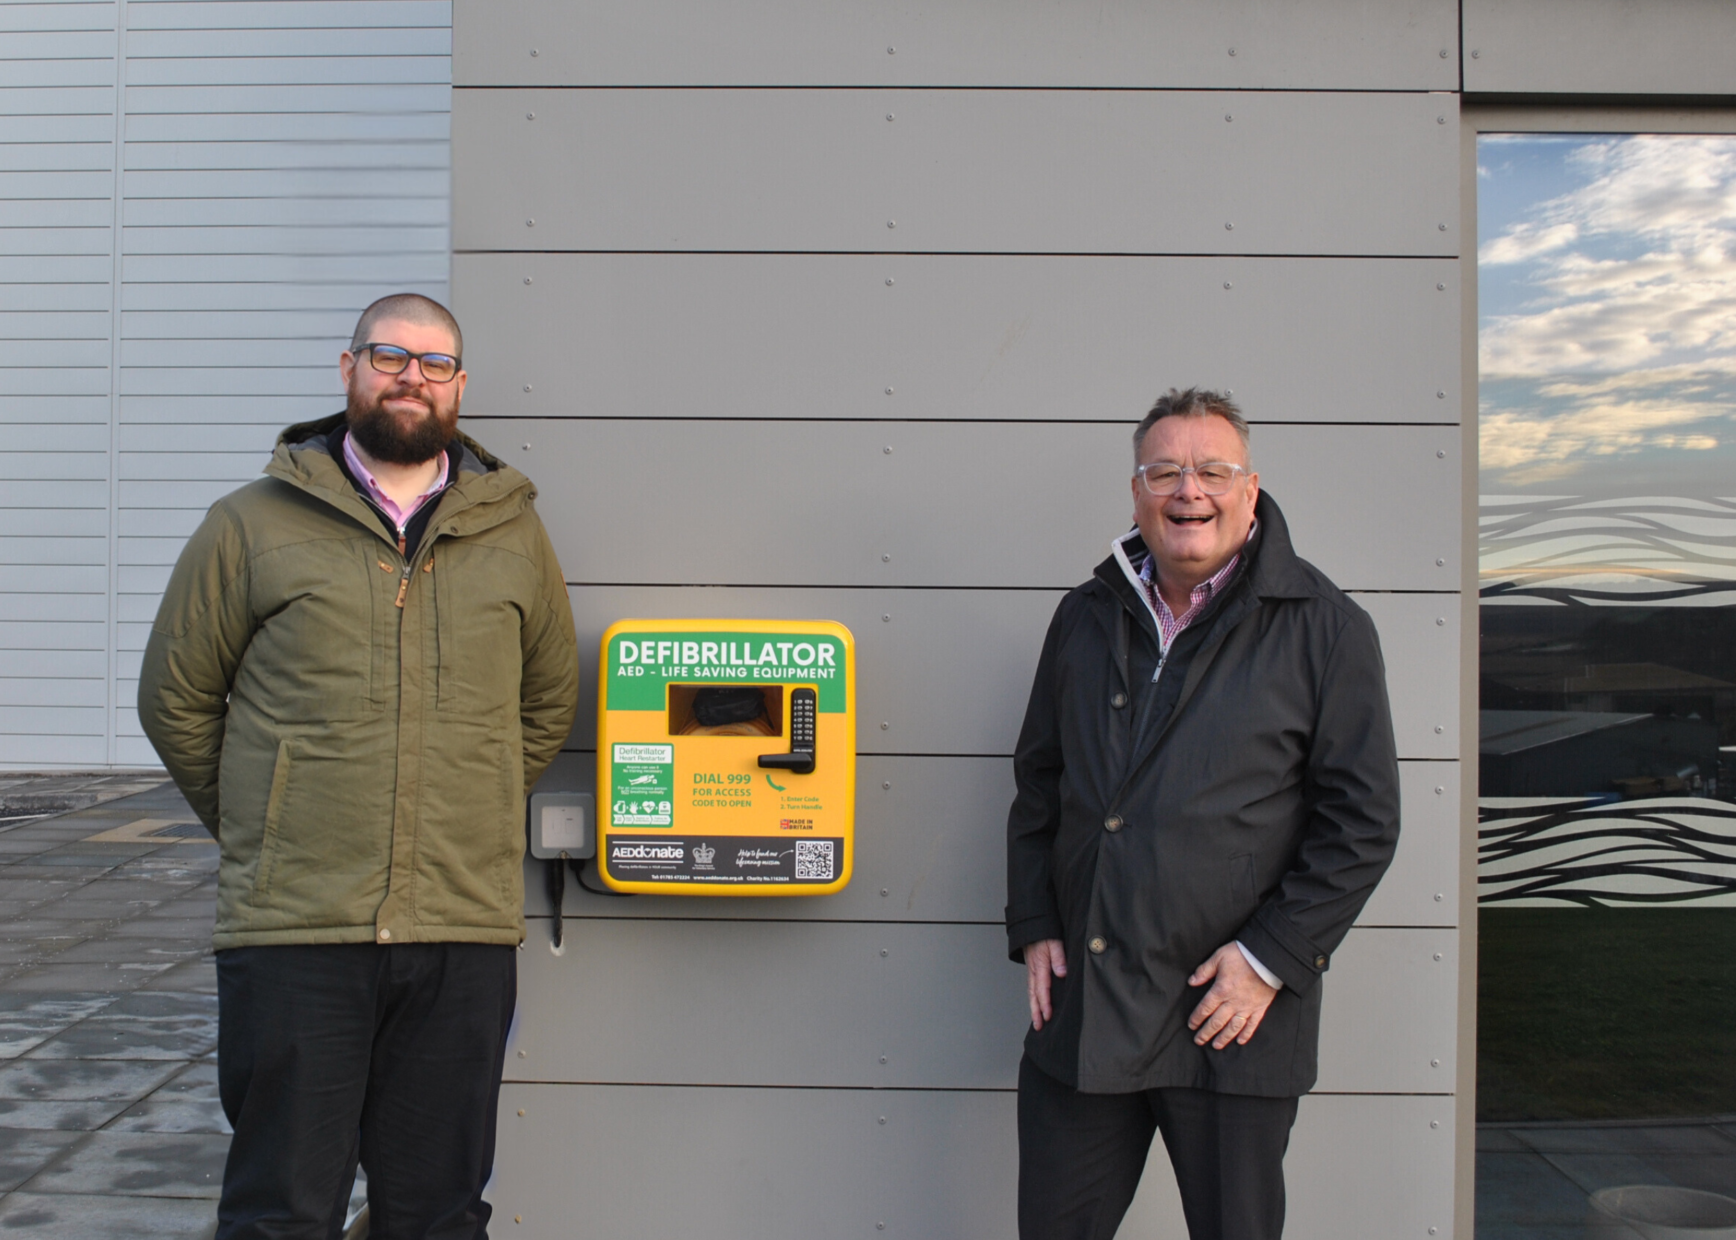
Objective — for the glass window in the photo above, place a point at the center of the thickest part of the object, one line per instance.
(1606, 1076)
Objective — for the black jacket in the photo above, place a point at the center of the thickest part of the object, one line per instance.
(1256, 788)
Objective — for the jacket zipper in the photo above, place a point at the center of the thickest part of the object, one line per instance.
(404, 578)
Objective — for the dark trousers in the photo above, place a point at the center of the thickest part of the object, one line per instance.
(1081, 1155)
(327, 1054)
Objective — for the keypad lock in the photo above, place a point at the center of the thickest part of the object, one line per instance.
(804, 703)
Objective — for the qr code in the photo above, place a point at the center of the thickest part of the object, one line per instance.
(814, 859)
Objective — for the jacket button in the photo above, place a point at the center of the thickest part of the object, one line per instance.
(1098, 946)
(1112, 824)
(1320, 962)
(385, 936)
(1118, 701)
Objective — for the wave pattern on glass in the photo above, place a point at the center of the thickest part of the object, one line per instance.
(1654, 550)
(1558, 851)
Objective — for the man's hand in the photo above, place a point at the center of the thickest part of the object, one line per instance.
(1041, 959)
(1232, 1008)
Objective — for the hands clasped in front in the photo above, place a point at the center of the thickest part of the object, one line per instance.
(1230, 1012)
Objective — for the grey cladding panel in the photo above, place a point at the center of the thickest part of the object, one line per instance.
(896, 1005)
(1278, 44)
(1600, 47)
(825, 503)
(949, 671)
(977, 171)
(651, 1163)
(934, 844)
(821, 1164)
(956, 336)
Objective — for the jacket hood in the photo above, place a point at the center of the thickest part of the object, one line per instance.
(486, 491)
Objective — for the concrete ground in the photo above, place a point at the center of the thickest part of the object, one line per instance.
(110, 1124)
(1534, 1181)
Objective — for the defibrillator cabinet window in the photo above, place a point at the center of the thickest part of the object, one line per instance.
(726, 710)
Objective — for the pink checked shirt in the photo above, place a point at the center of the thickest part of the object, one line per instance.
(400, 518)
(1168, 623)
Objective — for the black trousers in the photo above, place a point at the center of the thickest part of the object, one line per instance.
(1081, 1155)
(393, 1055)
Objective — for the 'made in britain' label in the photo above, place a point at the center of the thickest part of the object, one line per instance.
(641, 664)
(642, 790)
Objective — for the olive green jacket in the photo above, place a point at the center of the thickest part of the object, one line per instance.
(358, 732)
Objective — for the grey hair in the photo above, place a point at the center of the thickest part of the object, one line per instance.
(410, 308)
(1192, 403)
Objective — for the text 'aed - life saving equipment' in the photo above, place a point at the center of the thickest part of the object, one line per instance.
(726, 757)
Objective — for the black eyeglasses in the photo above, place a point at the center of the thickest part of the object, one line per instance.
(389, 359)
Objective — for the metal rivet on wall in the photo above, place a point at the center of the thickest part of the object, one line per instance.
(886, 617)
(1443, 53)
(1439, 897)
(884, 726)
(1434, 1063)
(1440, 120)
(1228, 117)
(1226, 284)
(1439, 789)
(1232, 51)
(1440, 454)
(1229, 227)
(1475, 54)
(882, 1059)
(892, 51)
(887, 450)
(894, 224)
(527, 387)
(530, 223)
(882, 1119)
(1440, 621)
(527, 279)
(1437, 955)
(886, 559)
(1442, 227)
(1440, 288)
(525, 447)
(889, 392)
(530, 116)
(889, 116)
(888, 281)
(533, 51)
(887, 783)
(1440, 394)
(1439, 729)
(882, 953)
(1440, 562)
(885, 892)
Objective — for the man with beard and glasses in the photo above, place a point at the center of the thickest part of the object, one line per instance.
(361, 663)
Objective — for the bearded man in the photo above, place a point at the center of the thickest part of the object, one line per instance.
(361, 663)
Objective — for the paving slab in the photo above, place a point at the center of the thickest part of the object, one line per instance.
(193, 977)
(1525, 1190)
(136, 1218)
(27, 1019)
(59, 1116)
(140, 1027)
(159, 1114)
(198, 1081)
(146, 1164)
(83, 1080)
(24, 1153)
(53, 977)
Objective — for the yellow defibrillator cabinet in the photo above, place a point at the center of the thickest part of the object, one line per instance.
(726, 757)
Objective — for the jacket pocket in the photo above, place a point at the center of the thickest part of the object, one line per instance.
(273, 812)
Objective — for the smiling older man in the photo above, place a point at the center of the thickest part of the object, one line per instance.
(361, 662)
(1207, 796)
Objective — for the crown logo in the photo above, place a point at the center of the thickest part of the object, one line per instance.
(704, 853)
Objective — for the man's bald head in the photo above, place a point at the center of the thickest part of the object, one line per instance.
(407, 308)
